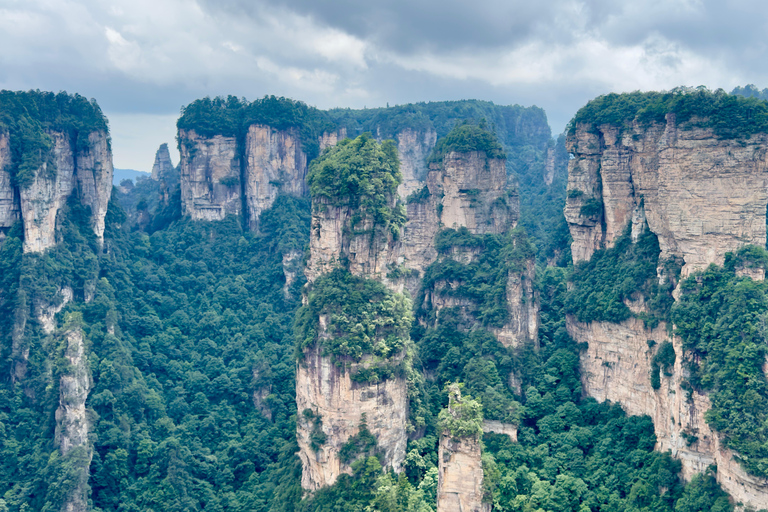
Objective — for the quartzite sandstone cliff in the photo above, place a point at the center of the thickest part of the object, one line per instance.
(702, 196)
(86, 170)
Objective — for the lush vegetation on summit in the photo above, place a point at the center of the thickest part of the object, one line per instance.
(29, 117)
(468, 137)
(363, 175)
(731, 116)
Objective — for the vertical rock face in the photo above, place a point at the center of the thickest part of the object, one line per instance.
(369, 249)
(275, 163)
(89, 169)
(473, 191)
(46, 196)
(617, 367)
(10, 210)
(413, 147)
(523, 308)
(94, 178)
(163, 167)
(72, 419)
(327, 391)
(460, 476)
(702, 196)
(330, 139)
(210, 176)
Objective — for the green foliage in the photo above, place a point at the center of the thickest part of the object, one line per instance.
(364, 319)
(362, 174)
(731, 116)
(625, 272)
(463, 417)
(720, 319)
(662, 361)
(232, 117)
(484, 281)
(361, 444)
(591, 208)
(29, 117)
(468, 137)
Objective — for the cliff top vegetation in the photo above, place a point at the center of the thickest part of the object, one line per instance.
(463, 417)
(731, 116)
(232, 116)
(27, 115)
(468, 137)
(362, 174)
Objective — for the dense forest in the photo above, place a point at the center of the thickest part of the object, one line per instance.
(192, 333)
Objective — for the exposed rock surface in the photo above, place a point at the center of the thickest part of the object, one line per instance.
(617, 367)
(498, 427)
(413, 148)
(702, 196)
(275, 163)
(72, 419)
(460, 476)
(327, 391)
(371, 250)
(10, 210)
(523, 307)
(46, 313)
(163, 167)
(210, 176)
(292, 263)
(473, 192)
(330, 139)
(89, 169)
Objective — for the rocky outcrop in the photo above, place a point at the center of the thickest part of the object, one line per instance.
(163, 167)
(473, 193)
(337, 406)
(330, 139)
(523, 309)
(94, 178)
(370, 250)
(413, 148)
(210, 176)
(292, 265)
(701, 195)
(10, 209)
(72, 420)
(617, 366)
(460, 465)
(275, 164)
(88, 168)
(497, 427)
(46, 313)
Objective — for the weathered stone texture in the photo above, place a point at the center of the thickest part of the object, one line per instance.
(163, 167)
(329, 393)
(413, 148)
(210, 176)
(275, 163)
(10, 210)
(72, 422)
(460, 475)
(617, 367)
(702, 196)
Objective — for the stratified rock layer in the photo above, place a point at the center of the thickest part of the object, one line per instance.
(473, 193)
(163, 167)
(210, 176)
(72, 420)
(460, 475)
(89, 169)
(617, 367)
(10, 210)
(702, 196)
(413, 148)
(327, 391)
(275, 164)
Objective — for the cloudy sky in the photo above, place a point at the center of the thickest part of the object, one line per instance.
(144, 59)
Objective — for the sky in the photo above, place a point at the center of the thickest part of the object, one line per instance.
(143, 60)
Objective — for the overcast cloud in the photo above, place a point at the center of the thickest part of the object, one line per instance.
(144, 59)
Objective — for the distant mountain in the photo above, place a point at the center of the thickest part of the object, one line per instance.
(128, 174)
